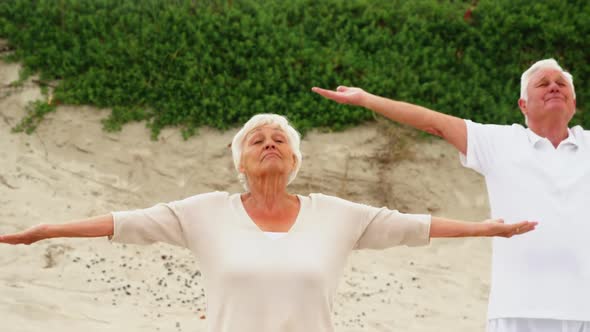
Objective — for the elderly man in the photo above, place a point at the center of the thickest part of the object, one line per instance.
(542, 282)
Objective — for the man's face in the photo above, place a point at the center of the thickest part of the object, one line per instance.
(550, 99)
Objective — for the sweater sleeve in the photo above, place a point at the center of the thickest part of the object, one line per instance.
(176, 223)
(387, 228)
(159, 223)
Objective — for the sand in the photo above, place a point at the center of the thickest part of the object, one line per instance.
(70, 169)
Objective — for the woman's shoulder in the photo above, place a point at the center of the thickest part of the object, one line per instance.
(322, 200)
(207, 198)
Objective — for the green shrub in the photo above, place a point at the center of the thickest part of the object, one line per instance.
(193, 63)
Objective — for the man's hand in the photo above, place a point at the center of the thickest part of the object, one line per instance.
(343, 95)
(452, 129)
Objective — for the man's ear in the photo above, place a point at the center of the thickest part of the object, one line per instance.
(522, 106)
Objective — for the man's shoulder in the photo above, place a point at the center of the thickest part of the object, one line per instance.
(489, 128)
(580, 131)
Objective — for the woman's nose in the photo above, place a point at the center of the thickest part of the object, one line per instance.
(269, 145)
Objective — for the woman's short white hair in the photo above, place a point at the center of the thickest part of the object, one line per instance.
(258, 120)
(543, 64)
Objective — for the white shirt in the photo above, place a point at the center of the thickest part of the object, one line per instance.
(257, 284)
(545, 273)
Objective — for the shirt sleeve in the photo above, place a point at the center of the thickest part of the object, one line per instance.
(387, 228)
(483, 142)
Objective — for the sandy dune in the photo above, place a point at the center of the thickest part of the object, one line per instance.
(69, 168)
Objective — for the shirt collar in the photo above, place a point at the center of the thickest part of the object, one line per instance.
(534, 138)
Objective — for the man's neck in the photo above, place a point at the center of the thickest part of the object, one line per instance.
(555, 134)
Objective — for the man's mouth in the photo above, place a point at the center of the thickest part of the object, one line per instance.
(554, 98)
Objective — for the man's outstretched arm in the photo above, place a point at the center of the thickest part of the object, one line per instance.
(450, 128)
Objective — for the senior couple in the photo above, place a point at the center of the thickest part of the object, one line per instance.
(271, 259)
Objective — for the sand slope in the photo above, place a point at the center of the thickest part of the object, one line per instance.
(69, 168)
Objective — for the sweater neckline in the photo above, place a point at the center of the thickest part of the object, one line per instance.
(243, 216)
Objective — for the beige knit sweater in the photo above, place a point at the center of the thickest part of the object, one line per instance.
(257, 284)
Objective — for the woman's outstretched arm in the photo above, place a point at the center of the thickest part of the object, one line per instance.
(91, 227)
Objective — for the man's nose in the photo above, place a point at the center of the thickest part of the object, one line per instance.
(553, 87)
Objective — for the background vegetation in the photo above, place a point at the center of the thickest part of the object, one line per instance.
(192, 63)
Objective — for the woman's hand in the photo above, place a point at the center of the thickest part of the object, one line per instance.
(497, 227)
(90, 227)
(27, 237)
(343, 95)
(442, 227)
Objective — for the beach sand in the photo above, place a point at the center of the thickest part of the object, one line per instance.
(70, 168)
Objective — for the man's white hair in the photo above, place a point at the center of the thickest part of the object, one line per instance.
(258, 120)
(543, 64)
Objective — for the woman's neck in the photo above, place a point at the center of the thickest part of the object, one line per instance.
(269, 193)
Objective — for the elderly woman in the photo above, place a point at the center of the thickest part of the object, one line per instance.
(271, 259)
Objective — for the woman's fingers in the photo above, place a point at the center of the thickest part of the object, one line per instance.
(525, 226)
(27, 237)
(499, 228)
(521, 228)
(11, 238)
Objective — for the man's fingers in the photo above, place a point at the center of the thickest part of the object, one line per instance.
(341, 88)
(324, 92)
(337, 96)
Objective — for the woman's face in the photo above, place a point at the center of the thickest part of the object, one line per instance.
(266, 151)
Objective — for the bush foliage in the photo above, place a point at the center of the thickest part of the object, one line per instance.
(192, 63)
